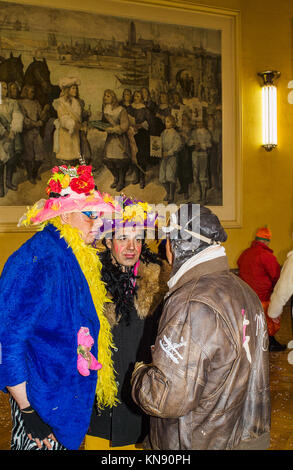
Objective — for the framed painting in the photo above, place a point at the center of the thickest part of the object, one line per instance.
(146, 92)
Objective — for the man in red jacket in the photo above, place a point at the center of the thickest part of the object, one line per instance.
(259, 268)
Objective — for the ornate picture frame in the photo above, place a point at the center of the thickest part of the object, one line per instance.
(179, 20)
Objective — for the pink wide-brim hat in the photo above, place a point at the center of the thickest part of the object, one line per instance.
(46, 209)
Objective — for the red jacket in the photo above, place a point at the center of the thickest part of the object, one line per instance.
(259, 268)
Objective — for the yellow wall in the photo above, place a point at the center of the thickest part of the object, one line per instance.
(266, 38)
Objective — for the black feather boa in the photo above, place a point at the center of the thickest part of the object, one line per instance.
(121, 285)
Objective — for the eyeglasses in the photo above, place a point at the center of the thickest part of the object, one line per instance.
(91, 215)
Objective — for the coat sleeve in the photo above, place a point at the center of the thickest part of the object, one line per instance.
(23, 294)
(272, 267)
(67, 121)
(28, 123)
(17, 119)
(173, 384)
(283, 289)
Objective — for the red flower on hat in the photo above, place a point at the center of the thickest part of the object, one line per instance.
(56, 169)
(84, 172)
(82, 184)
(54, 186)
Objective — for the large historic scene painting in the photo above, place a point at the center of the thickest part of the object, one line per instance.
(140, 101)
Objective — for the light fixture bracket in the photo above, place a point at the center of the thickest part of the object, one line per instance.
(269, 147)
(269, 76)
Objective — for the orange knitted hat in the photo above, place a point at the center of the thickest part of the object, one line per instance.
(264, 233)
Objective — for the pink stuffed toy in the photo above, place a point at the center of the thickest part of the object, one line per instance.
(85, 359)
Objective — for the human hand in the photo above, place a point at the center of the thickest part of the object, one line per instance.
(35, 427)
(277, 320)
(45, 441)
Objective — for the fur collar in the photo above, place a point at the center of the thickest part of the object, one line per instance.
(151, 288)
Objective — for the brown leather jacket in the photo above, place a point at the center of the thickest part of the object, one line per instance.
(205, 389)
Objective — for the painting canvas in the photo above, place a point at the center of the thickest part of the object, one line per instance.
(139, 100)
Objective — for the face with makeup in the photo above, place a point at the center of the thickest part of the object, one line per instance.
(126, 245)
(88, 224)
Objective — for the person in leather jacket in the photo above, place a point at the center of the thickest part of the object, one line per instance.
(207, 386)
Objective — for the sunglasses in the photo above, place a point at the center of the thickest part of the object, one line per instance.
(91, 215)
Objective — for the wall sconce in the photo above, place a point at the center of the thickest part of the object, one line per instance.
(269, 109)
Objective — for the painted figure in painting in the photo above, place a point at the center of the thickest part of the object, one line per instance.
(117, 151)
(164, 109)
(11, 122)
(126, 98)
(214, 163)
(185, 83)
(34, 117)
(38, 75)
(201, 139)
(147, 100)
(184, 157)
(155, 123)
(14, 90)
(171, 145)
(177, 108)
(71, 121)
(140, 120)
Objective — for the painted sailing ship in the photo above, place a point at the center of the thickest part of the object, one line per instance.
(133, 79)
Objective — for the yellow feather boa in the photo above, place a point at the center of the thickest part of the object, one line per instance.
(86, 255)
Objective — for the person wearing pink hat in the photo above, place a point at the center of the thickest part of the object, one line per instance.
(50, 290)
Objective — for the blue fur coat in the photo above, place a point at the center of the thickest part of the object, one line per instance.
(44, 300)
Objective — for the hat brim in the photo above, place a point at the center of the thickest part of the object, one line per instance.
(45, 210)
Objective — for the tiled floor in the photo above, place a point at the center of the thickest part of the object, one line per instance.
(281, 379)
